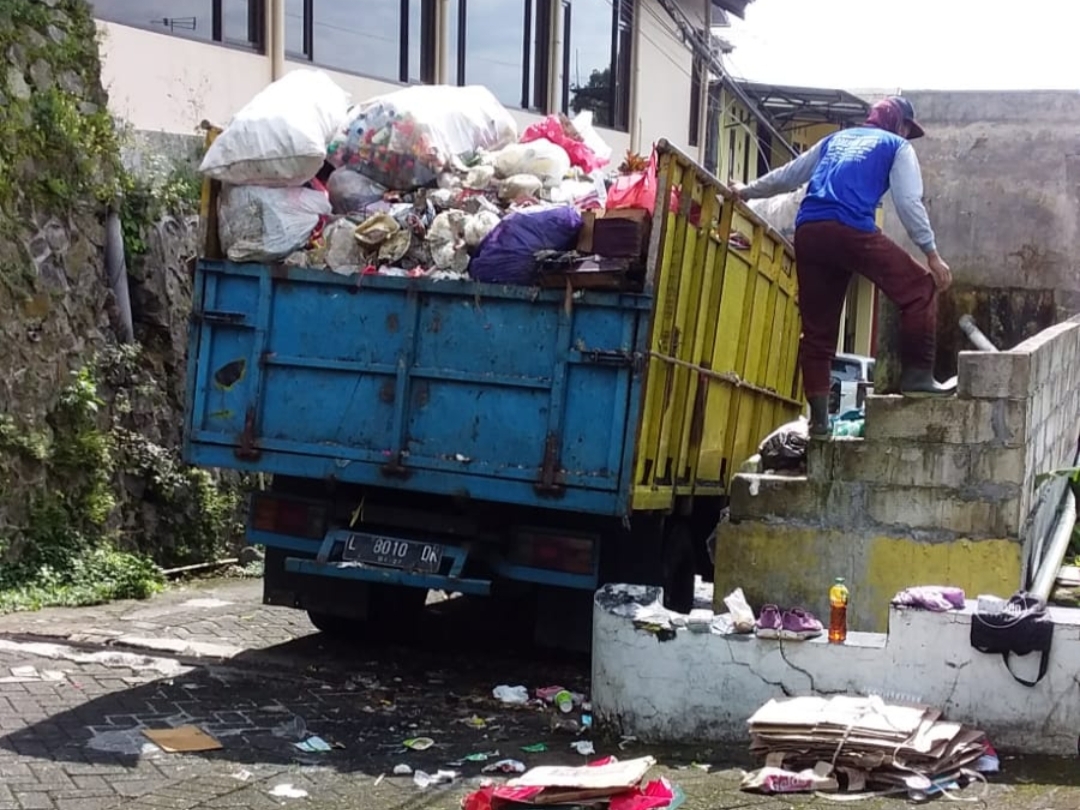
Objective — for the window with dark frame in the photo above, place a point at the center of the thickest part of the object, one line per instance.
(240, 23)
(598, 44)
(696, 77)
(392, 40)
(503, 45)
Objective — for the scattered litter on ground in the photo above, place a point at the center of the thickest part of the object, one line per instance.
(294, 729)
(476, 722)
(626, 741)
(33, 675)
(206, 602)
(609, 783)
(586, 721)
(287, 791)
(379, 779)
(419, 743)
(126, 742)
(536, 748)
(583, 747)
(851, 744)
(511, 695)
(182, 740)
(505, 766)
(481, 756)
(402, 770)
(242, 776)
(425, 780)
(314, 745)
(166, 667)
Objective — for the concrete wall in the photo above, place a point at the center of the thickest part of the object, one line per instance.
(1001, 171)
(161, 82)
(939, 491)
(703, 687)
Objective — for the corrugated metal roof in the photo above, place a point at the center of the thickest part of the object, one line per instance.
(736, 7)
(785, 103)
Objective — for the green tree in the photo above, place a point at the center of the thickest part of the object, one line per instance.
(594, 96)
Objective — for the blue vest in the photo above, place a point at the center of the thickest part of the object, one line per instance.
(851, 177)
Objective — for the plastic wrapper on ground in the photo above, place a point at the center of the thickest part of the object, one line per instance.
(279, 138)
(267, 224)
(405, 139)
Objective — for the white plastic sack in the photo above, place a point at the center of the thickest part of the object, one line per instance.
(279, 138)
(404, 140)
(780, 211)
(540, 158)
(267, 224)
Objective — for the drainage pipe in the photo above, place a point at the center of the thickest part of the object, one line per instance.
(116, 268)
(975, 335)
(277, 39)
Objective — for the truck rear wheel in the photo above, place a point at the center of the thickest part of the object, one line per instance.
(394, 614)
(680, 566)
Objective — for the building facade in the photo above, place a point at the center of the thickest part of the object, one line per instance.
(170, 64)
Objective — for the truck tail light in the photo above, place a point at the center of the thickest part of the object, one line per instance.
(571, 554)
(277, 515)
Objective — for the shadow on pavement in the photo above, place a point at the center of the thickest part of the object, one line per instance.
(365, 699)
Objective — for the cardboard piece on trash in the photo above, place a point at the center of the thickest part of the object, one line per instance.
(605, 779)
(182, 740)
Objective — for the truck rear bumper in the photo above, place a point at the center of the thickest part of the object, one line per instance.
(387, 576)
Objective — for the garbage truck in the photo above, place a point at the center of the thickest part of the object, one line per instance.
(495, 440)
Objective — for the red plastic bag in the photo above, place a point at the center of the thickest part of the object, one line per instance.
(636, 190)
(551, 128)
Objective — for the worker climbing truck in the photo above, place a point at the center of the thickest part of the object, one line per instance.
(482, 439)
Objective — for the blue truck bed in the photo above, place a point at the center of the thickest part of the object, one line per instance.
(496, 393)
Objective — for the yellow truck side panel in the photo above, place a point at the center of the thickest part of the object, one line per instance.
(722, 369)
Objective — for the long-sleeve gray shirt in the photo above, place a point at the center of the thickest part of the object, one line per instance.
(905, 184)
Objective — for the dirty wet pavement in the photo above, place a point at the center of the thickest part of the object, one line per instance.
(79, 687)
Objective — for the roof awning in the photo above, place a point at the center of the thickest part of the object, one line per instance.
(736, 7)
(787, 104)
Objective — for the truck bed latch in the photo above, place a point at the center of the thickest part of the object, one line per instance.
(613, 357)
(551, 478)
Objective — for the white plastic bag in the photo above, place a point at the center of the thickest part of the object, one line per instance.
(540, 158)
(279, 138)
(351, 192)
(742, 615)
(267, 224)
(404, 140)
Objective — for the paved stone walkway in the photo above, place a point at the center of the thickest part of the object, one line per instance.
(79, 687)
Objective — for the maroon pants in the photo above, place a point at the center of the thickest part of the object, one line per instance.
(827, 253)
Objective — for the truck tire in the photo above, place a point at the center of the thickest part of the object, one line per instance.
(680, 566)
(394, 614)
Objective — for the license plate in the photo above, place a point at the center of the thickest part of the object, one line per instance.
(391, 552)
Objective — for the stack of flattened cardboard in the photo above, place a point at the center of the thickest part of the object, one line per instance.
(867, 742)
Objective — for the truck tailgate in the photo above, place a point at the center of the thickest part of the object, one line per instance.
(498, 393)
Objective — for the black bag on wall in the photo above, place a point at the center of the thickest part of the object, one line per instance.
(1023, 627)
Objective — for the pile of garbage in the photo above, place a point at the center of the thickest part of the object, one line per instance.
(427, 181)
(858, 744)
(606, 783)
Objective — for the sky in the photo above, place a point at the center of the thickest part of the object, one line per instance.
(909, 45)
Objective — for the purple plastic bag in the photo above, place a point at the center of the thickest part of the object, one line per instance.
(508, 254)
